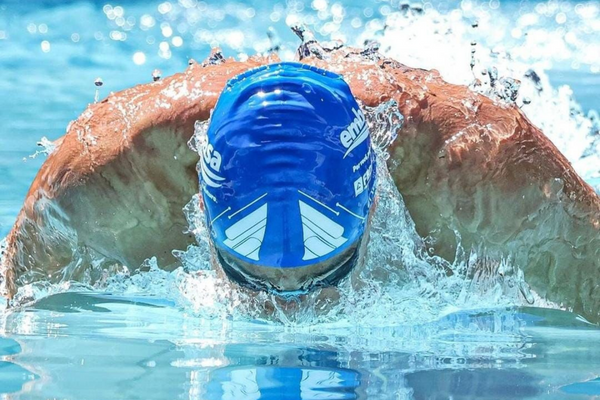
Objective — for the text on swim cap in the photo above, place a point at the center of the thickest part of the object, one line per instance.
(210, 164)
(362, 182)
(212, 157)
(356, 133)
(362, 162)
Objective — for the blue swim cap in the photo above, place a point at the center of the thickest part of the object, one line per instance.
(287, 172)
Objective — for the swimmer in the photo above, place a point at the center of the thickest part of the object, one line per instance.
(287, 177)
(113, 190)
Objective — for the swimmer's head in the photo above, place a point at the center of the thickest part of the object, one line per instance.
(287, 177)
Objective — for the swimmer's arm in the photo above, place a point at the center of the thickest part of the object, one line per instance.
(473, 167)
(113, 190)
(492, 176)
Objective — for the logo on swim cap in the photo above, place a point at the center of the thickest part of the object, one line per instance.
(210, 165)
(287, 171)
(356, 133)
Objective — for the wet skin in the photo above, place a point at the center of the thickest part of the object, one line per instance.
(114, 189)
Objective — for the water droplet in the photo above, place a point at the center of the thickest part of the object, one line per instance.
(332, 45)
(535, 78)
(508, 89)
(372, 45)
(299, 30)
(475, 24)
(473, 43)
(526, 100)
(156, 75)
(215, 57)
(371, 50)
(417, 8)
(98, 83)
(526, 292)
(384, 123)
(307, 88)
(191, 61)
(493, 76)
(275, 42)
(310, 46)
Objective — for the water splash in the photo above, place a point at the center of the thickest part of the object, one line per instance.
(400, 278)
(309, 46)
(47, 146)
(384, 120)
(401, 283)
(508, 70)
(274, 40)
(371, 50)
(215, 58)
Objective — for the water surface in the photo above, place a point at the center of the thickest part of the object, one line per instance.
(90, 345)
(189, 335)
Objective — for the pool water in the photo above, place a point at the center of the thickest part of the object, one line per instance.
(187, 334)
(92, 345)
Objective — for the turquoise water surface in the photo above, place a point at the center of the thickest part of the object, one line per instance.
(101, 346)
(187, 334)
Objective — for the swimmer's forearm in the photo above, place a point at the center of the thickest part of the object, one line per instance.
(472, 167)
(113, 190)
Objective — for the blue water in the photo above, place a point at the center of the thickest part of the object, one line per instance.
(144, 343)
(101, 346)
